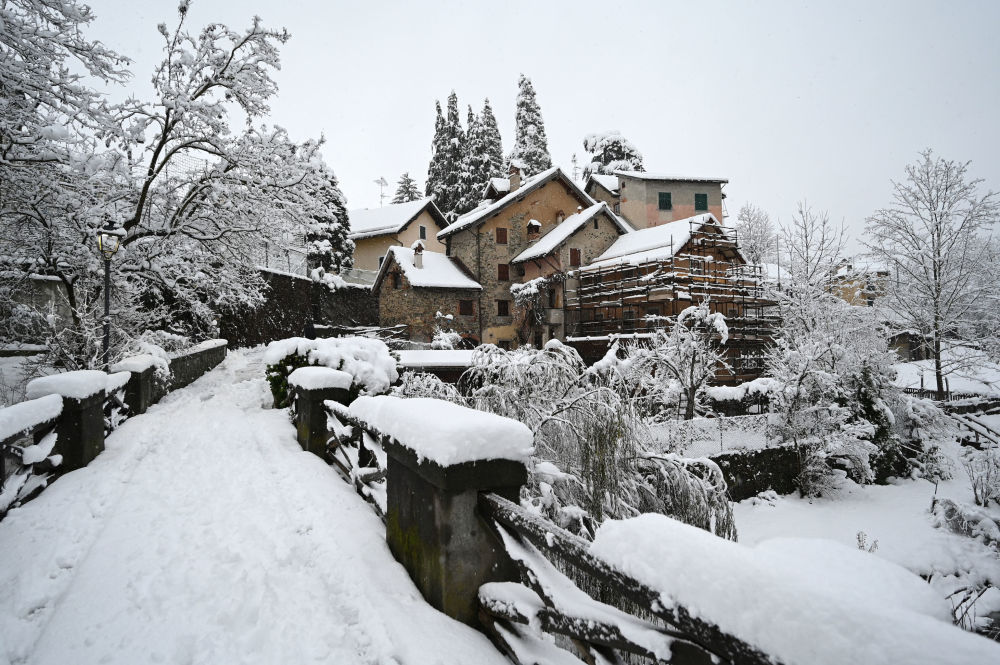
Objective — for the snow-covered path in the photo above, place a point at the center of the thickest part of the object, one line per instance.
(203, 534)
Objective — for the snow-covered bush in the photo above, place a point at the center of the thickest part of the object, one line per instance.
(422, 384)
(922, 428)
(983, 468)
(445, 338)
(593, 451)
(369, 361)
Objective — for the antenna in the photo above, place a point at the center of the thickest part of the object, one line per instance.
(382, 184)
(576, 170)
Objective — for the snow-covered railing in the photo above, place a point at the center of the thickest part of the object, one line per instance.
(27, 436)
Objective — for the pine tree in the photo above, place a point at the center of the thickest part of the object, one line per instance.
(610, 152)
(531, 148)
(493, 146)
(435, 170)
(406, 189)
(472, 176)
(328, 244)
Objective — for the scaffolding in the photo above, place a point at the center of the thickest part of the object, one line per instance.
(634, 299)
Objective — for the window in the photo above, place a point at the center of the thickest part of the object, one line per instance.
(552, 298)
(423, 233)
(380, 259)
(574, 258)
(665, 202)
(697, 265)
(503, 308)
(701, 202)
(538, 339)
(397, 281)
(504, 344)
(501, 236)
(503, 272)
(465, 308)
(618, 208)
(595, 223)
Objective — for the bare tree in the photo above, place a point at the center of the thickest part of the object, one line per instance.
(933, 238)
(756, 234)
(813, 245)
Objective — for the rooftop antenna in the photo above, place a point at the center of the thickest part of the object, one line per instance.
(576, 170)
(382, 184)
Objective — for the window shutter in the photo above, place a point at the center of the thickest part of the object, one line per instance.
(501, 236)
(665, 201)
(574, 257)
(701, 202)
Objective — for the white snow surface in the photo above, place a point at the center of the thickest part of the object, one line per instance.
(317, 378)
(654, 243)
(557, 236)
(609, 182)
(116, 381)
(139, 363)
(78, 384)
(443, 432)
(981, 377)
(204, 534)
(438, 270)
(805, 603)
(367, 360)
(435, 358)
(19, 417)
(368, 222)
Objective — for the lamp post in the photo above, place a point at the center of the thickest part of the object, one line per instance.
(108, 241)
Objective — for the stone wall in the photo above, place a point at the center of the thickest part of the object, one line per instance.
(750, 472)
(291, 301)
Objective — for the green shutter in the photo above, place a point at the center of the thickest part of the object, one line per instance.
(665, 203)
(701, 202)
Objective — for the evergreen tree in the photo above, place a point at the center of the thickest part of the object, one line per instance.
(493, 147)
(610, 152)
(472, 176)
(328, 244)
(435, 170)
(531, 148)
(406, 189)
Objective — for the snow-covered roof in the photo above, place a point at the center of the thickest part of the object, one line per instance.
(608, 182)
(499, 185)
(551, 240)
(370, 222)
(458, 358)
(438, 271)
(642, 175)
(655, 243)
(484, 212)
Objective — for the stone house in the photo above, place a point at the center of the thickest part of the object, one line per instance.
(649, 199)
(375, 230)
(414, 286)
(520, 213)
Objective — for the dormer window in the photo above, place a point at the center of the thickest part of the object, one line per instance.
(534, 228)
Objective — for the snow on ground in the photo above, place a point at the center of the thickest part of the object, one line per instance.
(896, 515)
(13, 376)
(983, 377)
(203, 534)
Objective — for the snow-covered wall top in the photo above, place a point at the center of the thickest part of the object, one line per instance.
(140, 363)
(443, 432)
(19, 417)
(802, 601)
(318, 378)
(367, 360)
(77, 385)
(436, 358)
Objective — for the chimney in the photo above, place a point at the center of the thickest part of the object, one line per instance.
(515, 175)
(418, 255)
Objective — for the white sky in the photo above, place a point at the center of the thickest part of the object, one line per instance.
(825, 100)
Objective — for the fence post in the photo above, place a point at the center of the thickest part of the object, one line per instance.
(311, 386)
(139, 390)
(434, 528)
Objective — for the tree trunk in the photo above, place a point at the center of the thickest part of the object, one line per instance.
(938, 376)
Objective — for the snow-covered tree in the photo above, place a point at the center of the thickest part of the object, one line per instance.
(196, 197)
(327, 238)
(406, 190)
(445, 181)
(531, 147)
(609, 152)
(491, 144)
(812, 245)
(756, 234)
(688, 356)
(934, 238)
(471, 176)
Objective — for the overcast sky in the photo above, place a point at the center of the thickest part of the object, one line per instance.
(788, 100)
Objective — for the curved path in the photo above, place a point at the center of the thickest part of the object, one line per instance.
(203, 534)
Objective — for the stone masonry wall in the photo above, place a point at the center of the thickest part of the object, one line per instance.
(418, 308)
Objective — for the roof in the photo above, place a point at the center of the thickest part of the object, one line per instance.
(642, 175)
(484, 212)
(371, 222)
(498, 185)
(608, 182)
(654, 243)
(438, 272)
(551, 240)
(442, 358)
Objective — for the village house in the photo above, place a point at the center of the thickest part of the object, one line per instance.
(649, 199)
(653, 274)
(375, 230)
(425, 290)
(528, 228)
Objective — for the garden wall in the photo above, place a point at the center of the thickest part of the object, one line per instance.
(292, 300)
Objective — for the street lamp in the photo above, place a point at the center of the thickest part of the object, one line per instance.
(108, 241)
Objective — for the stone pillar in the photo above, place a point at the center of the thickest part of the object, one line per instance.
(433, 527)
(310, 416)
(139, 391)
(80, 431)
